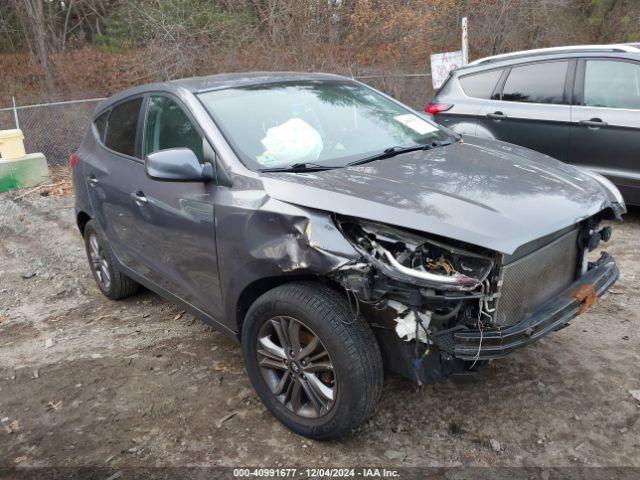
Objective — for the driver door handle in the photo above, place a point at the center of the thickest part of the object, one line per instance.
(593, 123)
(139, 198)
(496, 116)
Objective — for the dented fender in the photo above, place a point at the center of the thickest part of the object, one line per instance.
(261, 238)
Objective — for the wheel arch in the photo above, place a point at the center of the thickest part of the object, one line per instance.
(82, 218)
(259, 287)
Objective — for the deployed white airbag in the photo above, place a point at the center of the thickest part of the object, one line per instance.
(293, 141)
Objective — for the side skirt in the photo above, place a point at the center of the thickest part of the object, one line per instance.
(208, 319)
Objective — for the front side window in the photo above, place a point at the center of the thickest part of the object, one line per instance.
(169, 127)
(480, 85)
(327, 123)
(121, 127)
(612, 84)
(536, 83)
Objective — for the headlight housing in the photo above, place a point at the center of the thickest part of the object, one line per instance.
(416, 259)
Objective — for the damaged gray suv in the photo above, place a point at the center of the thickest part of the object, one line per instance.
(334, 232)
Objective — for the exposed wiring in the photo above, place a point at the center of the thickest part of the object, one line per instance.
(418, 361)
(357, 309)
(419, 322)
(486, 288)
(475, 360)
(481, 328)
(418, 357)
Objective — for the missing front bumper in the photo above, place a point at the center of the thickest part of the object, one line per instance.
(472, 344)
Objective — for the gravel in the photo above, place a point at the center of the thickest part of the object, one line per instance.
(136, 383)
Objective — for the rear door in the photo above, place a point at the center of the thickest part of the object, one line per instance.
(176, 219)
(108, 171)
(532, 108)
(605, 129)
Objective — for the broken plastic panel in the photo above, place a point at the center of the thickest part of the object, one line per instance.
(410, 323)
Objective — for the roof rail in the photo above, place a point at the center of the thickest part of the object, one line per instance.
(625, 48)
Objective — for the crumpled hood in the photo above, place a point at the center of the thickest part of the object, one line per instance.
(487, 193)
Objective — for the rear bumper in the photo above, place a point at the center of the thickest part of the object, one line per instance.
(472, 344)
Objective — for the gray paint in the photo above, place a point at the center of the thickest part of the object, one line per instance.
(205, 244)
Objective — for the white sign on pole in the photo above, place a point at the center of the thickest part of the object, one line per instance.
(465, 42)
(442, 64)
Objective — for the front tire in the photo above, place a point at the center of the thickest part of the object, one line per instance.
(314, 364)
(112, 282)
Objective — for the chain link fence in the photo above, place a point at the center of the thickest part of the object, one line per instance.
(56, 129)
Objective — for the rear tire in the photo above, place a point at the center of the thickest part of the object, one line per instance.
(335, 360)
(104, 267)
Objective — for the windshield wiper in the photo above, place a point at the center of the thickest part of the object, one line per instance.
(397, 150)
(301, 167)
(388, 153)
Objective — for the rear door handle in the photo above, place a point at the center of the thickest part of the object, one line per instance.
(92, 180)
(139, 198)
(593, 123)
(496, 116)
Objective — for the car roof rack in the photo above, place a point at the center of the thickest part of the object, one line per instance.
(618, 47)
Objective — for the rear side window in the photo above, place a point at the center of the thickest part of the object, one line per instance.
(101, 124)
(480, 85)
(122, 125)
(536, 83)
(612, 84)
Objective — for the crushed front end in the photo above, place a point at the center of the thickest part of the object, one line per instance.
(441, 307)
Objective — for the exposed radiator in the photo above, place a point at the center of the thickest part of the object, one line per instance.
(531, 280)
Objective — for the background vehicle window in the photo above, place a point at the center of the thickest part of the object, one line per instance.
(480, 85)
(612, 84)
(121, 128)
(101, 124)
(169, 127)
(536, 83)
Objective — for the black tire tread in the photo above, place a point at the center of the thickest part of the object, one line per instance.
(121, 285)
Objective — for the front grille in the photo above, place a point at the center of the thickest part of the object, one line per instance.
(531, 280)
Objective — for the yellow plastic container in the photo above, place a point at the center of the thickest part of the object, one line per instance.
(11, 144)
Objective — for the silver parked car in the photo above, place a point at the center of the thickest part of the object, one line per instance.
(578, 104)
(332, 231)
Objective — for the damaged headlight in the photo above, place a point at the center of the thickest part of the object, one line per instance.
(412, 258)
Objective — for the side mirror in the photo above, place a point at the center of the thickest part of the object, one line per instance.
(178, 165)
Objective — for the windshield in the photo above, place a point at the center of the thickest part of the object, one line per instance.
(324, 123)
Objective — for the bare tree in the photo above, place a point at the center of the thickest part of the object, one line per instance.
(31, 17)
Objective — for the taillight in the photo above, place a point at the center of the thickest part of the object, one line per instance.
(73, 160)
(434, 108)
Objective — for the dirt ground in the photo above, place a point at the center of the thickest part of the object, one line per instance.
(88, 381)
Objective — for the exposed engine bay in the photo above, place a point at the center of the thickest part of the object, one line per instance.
(441, 284)
(427, 290)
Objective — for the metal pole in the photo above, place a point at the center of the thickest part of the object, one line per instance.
(465, 43)
(15, 113)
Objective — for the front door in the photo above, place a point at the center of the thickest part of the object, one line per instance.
(532, 109)
(605, 122)
(176, 228)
